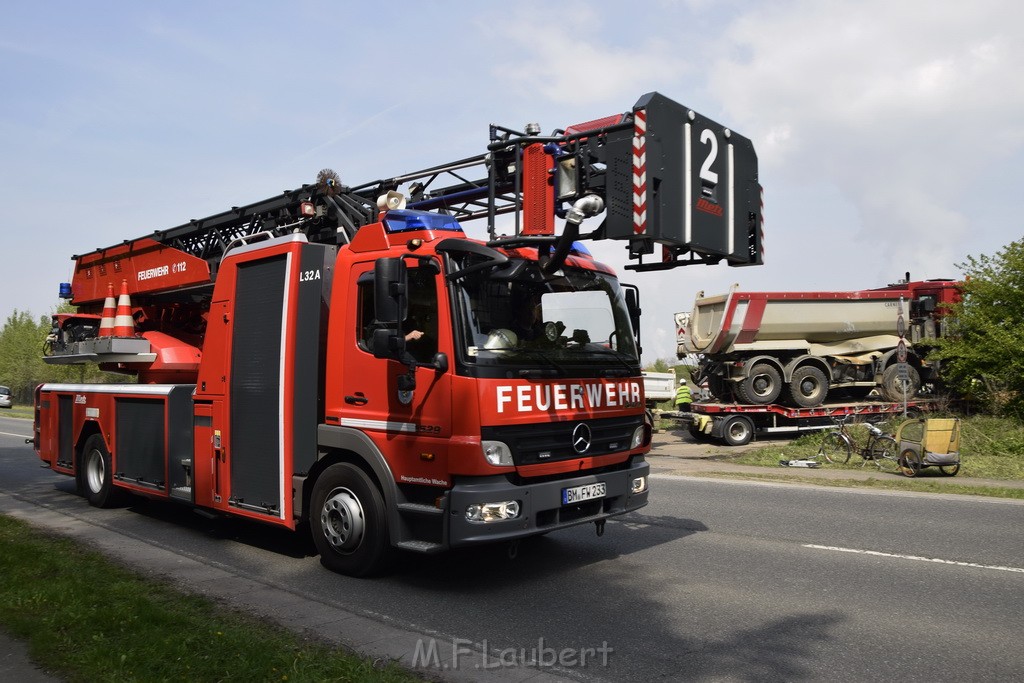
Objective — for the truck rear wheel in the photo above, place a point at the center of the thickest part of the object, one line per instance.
(762, 385)
(96, 474)
(808, 387)
(738, 430)
(718, 388)
(348, 521)
(892, 385)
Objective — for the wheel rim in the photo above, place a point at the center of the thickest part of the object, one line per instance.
(342, 520)
(909, 464)
(809, 387)
(763, 385)
(835, 449)
(738, 431)
(95, 471)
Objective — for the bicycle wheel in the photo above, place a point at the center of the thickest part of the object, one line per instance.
(884, 452)
(836, 448)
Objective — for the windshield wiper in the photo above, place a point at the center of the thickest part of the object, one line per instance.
(556, 370)
(622, 358)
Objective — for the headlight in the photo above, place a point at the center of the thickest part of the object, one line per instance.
(497, 453)
(639, 485)
(492, 512)
(638, 438)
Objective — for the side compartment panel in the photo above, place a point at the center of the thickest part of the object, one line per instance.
(140, 442)
(65, 431)
(255, 384)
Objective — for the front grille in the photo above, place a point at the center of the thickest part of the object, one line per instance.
(535, 444)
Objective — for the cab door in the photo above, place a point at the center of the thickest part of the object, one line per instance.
(411, 428)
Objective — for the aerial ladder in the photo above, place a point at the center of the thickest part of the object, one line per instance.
(663, 176)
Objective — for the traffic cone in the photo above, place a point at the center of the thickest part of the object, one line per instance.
(107, 321)
(124, 325)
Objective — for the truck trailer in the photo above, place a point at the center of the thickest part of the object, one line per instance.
(803, 348)
(347, 361)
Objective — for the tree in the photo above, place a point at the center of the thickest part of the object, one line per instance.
(21, 353)
(981, 357)
(21, 357)
(659, 365)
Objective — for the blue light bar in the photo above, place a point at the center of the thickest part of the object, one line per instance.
(65, 290)
(407, 220)
(580, 250)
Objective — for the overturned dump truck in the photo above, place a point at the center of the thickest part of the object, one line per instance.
(798, 348)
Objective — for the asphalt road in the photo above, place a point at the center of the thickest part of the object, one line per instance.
(715, 579)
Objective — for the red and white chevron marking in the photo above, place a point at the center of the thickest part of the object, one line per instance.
(640, 171)
(760, 225)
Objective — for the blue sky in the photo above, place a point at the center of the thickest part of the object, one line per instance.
(890, 134)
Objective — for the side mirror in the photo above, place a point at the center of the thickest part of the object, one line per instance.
(390, 278)
(633, 308)
(633, 305)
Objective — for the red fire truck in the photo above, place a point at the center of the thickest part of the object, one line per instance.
(345, 359)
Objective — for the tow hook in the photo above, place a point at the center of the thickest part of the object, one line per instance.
(513, 549)
(599, 524)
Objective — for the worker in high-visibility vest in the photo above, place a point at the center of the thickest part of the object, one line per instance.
(683, 398)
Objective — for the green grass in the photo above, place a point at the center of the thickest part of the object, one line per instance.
(22, 411)
(88, 619)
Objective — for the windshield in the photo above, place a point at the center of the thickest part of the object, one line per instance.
(516, 316)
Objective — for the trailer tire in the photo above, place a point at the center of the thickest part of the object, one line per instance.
(96, 473)
(892, 387)
(738, 430)
(697, 434)
(348, 521)
(762, 385)
(910, 463)
(808, 387)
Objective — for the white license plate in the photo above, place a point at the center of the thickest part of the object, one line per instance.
(585, 492)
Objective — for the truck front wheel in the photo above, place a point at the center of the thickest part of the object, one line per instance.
(95, 475)
(349, 522)
(808, 387)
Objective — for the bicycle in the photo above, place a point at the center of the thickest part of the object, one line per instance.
(881, 448)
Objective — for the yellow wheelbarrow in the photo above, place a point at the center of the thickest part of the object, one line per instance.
(929, 442)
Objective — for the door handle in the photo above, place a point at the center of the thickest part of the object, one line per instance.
(357, 400)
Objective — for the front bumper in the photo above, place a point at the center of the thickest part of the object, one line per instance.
(541, 508)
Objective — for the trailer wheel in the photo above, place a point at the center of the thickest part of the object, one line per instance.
(738, 430)
(697, 434)
(762, 385)
(808, 386)
(348, 521)
(910, 463)
(96, 473)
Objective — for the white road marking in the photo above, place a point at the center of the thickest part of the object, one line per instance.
(20, 436)
(936, 560)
